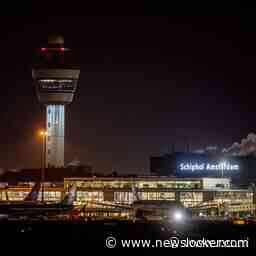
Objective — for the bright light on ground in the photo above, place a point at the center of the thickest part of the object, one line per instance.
(178, 216)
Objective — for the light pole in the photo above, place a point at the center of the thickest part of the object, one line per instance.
(254, 199)
(43, 135)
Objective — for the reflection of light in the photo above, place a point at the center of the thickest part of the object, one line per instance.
(43, 49)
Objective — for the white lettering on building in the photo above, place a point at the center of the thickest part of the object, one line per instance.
(222, 166)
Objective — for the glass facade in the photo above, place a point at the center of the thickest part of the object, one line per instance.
(191, 199)
(142, 184)
(190, 192)
(123, 197)
(236, 197)
(50, 196)
(3, 196)
(103, 194)
(84, 196)
(47, 86)
(18, 193)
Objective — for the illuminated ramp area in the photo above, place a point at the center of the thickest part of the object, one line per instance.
(55, 76)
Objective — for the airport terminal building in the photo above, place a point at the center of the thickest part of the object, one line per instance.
(99, 196)
(192, 192)
(199, 181)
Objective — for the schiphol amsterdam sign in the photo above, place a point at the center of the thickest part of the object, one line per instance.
(222, 166)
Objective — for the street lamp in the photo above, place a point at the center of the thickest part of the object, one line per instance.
(253, 187)
(43, 134)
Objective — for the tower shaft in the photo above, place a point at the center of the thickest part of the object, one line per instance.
(55, 123)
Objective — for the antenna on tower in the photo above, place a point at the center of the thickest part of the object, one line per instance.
(187, 145)
(173, 147)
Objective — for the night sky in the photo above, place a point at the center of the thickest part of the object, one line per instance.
(146, 84)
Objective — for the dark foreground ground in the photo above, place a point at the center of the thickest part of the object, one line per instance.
(94, 234)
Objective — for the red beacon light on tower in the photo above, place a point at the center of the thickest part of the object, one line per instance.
(43, 49)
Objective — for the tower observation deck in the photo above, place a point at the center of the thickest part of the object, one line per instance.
(55, 75)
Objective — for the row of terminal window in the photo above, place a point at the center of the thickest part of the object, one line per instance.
(57, 85)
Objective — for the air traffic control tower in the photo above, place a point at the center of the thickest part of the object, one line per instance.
(55, 75)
